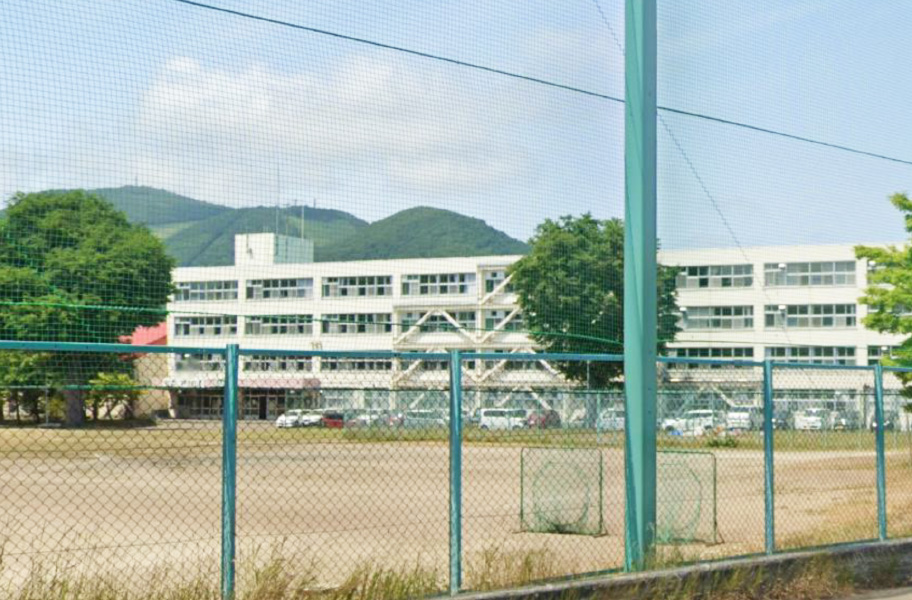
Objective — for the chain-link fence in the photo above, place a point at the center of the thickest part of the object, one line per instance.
(825, 448)
(133, 493)
(335, 464)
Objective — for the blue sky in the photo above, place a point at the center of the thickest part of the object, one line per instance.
(237, 112)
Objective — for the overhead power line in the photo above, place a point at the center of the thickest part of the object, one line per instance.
(445, 59)
(545, 82)
(790, 136)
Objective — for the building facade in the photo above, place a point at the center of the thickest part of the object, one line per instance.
(788, 304)
(403, 305)
(783, 303)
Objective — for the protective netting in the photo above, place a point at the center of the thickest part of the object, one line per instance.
(562, 491)
(249, 186)
(351, 191)
(136, 489)
(686, 497)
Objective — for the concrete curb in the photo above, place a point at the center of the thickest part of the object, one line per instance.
(894, 594)
(868, 563)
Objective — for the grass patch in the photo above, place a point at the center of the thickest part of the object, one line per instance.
(497, 568)
(116, 435)
(274, 576)
(276, 579)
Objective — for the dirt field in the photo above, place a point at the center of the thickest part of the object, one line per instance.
(133, 501)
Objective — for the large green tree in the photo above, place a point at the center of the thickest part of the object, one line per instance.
(889, 291)
(73, 269)
(571, 291)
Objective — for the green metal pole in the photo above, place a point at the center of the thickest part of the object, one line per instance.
(455, 472)
(640, 309)
(769, 490)
(879, 434)
(229, 470)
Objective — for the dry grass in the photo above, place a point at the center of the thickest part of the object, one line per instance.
(174, 435)
(275, 577)
(497, 568)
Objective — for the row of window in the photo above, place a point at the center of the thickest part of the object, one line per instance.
(842, 355)
(836, 355)
(717, 317)
(803, 316)
(805, 274)
(832, 355)
(283, 364)
(826, 273)
(839, 355)
(343, 324)
(440, 284)
(810, 315)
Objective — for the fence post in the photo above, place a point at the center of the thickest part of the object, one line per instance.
(640, 290)
(879, 434)
(768, 454)
(229, 469)
(455, 472)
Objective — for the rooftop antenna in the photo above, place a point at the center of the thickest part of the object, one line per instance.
(278, 196)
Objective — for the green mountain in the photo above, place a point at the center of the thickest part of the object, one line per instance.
(200, 233)
(210, 242)
(158, 208)
(422, 233)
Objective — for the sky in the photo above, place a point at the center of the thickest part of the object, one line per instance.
(243, 113)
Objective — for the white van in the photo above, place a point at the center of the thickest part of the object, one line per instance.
(502, 418)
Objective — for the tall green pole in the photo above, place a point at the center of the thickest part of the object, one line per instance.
(640, 308)
(455, 472)
(879, 434)
(769, 472)
(229, 470)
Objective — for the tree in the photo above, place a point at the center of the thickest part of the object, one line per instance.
(114, 390)
(571, 291)
(73, 269)
(22, 377)
(889, 291)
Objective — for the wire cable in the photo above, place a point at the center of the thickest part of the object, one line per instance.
(436, 57)
(545, 82)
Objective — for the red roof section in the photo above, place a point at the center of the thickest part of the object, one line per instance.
(149, 336)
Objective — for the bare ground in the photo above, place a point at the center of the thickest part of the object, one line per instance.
(134, 501)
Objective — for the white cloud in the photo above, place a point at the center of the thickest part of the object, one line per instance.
(369, 124)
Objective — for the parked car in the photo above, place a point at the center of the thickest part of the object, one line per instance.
(418, 419)
(813, 419)
(889, 425)
(364, 418)
(781, 420)
(694, 422)
(334, 419)
(611, 419)
(394, 419)
(288, 419)
(743, 418)
(845, 421)
(502, 418)
(543, 419)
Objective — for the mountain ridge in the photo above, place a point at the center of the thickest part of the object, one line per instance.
(199, 233)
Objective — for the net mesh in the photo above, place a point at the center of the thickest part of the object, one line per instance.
(686, 497)
(397, 178)
(562, 491)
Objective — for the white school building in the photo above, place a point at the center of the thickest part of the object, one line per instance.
(789, 304)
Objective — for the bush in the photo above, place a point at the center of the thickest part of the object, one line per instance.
(720, 440)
